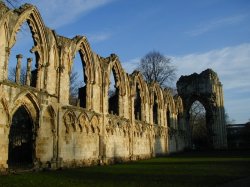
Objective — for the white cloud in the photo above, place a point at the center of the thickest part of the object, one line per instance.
(215, 24)
(95, 38)
(232, 65)
(57, 13)
(131, 65)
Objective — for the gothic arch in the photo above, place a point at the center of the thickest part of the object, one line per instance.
(115, 66)
(22, 138)
(30, 14)
(207, 89)
(137, 82)
(111, 65)
(24, 102)
(83, 122)
(95, 124)
(156, 102)
(30, 102)
(207, 104)
(83, 47)
(137, 78)
(69, 119)
(156, 89)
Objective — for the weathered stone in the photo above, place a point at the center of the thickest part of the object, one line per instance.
(86, 134)
(206, 88)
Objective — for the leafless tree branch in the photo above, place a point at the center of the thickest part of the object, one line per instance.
(156, 67)
(12, 3)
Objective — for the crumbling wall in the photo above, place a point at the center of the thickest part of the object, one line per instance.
(84, 134)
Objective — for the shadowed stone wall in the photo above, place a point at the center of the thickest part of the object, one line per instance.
(206, 88)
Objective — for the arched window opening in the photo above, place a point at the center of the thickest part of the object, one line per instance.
(78, 87)
(197, 120)
(21, 140)
(137, 104)
(155, 110)
(22, 66)
(113, 94)
(168, 119)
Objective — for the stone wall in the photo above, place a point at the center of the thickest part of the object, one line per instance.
(66, 135)
(207, 89)
(70, 136)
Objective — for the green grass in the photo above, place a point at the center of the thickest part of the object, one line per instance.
(188, 169)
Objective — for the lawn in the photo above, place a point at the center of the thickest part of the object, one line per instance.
(186, 169)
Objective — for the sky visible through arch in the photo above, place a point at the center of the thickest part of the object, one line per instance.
(196, 34)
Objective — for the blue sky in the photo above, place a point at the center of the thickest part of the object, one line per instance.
(196, 34)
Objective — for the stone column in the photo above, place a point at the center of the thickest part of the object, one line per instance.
(6, 61)
(18, 68)
(28, 73)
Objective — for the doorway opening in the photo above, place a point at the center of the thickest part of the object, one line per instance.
(200, 135)
(21, 143)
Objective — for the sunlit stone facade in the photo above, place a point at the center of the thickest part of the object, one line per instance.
(88, 133)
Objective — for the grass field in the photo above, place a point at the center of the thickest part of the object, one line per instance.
(187, 169)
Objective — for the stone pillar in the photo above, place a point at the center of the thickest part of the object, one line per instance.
(6, 61)
(18, 68)
(28, 73)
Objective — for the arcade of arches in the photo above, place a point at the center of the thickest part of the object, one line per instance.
(40, 128)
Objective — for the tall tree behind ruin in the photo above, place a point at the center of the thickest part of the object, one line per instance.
(155, 67)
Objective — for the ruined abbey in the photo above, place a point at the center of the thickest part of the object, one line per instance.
(41, 128)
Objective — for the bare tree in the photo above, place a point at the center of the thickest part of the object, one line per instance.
(197, 121)
(197, 116)
(197, 112)
(228, 119)
(12, 75)
(12, 3)
(156, 67)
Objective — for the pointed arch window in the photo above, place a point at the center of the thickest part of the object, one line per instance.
(23, 65)
(113, 94)
(78, 80)
(21, 141)
(155, 109)
(137, 104)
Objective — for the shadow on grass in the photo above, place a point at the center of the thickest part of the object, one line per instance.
(176, 170)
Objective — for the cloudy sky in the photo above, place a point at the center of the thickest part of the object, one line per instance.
(196, 34)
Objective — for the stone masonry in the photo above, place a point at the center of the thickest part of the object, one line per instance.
(64, 135)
